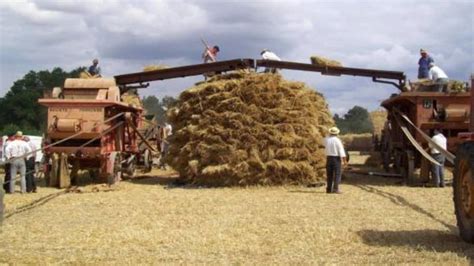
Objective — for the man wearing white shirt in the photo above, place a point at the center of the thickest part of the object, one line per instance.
(167, 131)
(7, 166)
(30, 167)
(268, 55)
(438, 76)
(16, 152)
(335, 155)
(438, 171)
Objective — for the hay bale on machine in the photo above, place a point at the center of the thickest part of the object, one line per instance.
(247, 129)
(378, 118)
(154, 67)
(322, 61)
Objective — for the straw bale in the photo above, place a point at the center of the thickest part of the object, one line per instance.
(87, 75)
(322, 61)
(154, 67)
(247, 129)
(131, 98)
(358, 142)
(378, 119)
(428, 85)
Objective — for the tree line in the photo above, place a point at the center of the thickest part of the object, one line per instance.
(355, 121)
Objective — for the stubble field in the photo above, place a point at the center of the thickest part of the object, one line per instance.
(148, 220)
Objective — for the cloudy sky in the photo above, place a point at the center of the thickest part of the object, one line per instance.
(128, 35)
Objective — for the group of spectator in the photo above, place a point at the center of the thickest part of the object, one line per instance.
(20, 153)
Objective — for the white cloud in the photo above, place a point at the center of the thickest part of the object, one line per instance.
(127, 35)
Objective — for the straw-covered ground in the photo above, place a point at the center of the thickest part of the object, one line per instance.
(148, 220)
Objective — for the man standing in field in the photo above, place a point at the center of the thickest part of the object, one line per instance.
(335, 156)
(16, 152)
(30, 167)
(437, 171)
(6, 180)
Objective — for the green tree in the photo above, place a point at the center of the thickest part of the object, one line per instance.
(20, 108)
(356, 120)
(154, 106)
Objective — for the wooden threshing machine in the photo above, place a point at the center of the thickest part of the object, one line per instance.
(90, 127)
(412, 117)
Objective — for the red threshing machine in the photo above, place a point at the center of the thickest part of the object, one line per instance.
(412, 118)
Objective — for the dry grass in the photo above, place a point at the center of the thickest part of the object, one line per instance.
(357, 142)
(374, 221)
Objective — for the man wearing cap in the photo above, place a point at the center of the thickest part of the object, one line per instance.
(268, 55)
(423, 64)
(438, 76)
(16, 153)
(94, 70)
(335, 155)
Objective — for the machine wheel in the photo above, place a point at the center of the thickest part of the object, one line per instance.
(463, 187)
(147, 160)
(94, 174)
(408, 167)
(131, 168)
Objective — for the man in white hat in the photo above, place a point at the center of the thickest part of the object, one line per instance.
(335, 155)
(16, 153)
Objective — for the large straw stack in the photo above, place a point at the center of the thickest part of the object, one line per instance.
(248, 128)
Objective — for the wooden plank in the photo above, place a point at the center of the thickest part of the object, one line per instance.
(333, 70)
(184, 71)
(414, 142)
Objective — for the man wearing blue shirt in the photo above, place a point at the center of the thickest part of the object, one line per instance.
(423, 64)
(94, 70)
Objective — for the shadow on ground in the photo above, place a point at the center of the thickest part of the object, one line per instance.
(35, 203)
(164, 180)
(435, 240)
(399, 200)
